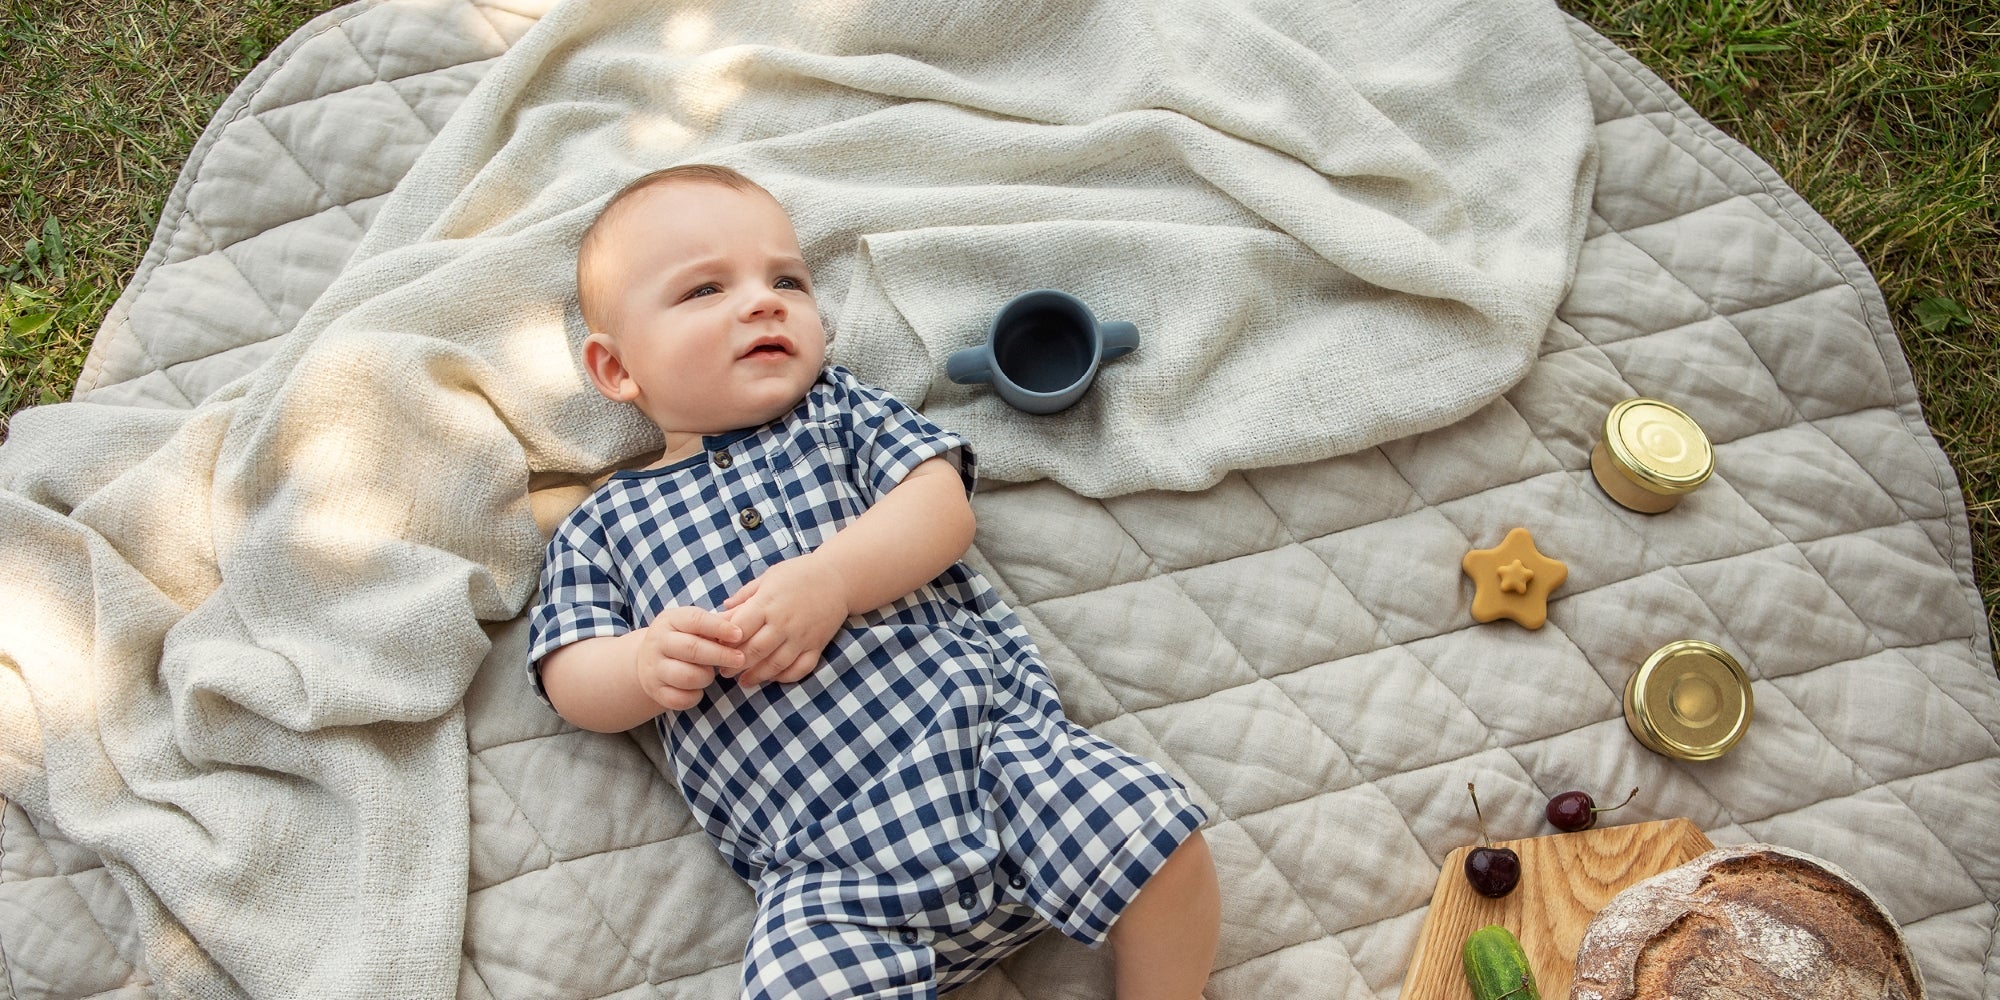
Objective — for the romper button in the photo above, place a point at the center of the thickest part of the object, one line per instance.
(751, 518)
(909, 936)
(1018, 882)
(721, 459)
(968, 901)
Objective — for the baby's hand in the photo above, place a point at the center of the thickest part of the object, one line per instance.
(678, 655)
(788, 615)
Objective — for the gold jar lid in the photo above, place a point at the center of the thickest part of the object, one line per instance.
(1689, 700)
(1658, 447)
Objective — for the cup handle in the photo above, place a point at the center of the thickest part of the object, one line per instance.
(1120, 339)
(969, 366)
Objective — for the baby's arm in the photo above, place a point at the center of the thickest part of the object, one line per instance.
(915, 532)
(610, 683)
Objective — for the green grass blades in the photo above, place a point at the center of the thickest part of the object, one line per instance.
(99, 105)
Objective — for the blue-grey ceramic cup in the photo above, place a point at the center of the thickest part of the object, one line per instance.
(1042, 351)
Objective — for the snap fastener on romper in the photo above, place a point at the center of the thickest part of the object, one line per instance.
(968, 901)
(909, 936)
(721, 459)
(751, 518)
(1018, 882)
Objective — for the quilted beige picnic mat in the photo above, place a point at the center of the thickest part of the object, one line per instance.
(263, 725)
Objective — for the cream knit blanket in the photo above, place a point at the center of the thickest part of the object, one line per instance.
(233, 639)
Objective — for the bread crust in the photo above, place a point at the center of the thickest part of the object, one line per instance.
(1755, 921)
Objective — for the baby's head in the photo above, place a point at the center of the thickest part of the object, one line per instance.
(698, 302)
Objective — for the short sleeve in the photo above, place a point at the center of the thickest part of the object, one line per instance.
(889, 439)
(580, 595)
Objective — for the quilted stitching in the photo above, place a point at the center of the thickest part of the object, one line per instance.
(1195, 662)
(331, 41)
(68, 922)
(1259, 660)
(1749, 548)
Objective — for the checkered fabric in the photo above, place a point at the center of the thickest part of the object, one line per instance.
(924, 765)
(800, 952)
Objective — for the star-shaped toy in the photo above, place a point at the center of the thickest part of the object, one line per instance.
(1513, 580)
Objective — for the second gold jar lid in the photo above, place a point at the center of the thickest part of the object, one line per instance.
(1690, 700)
(1658, 446)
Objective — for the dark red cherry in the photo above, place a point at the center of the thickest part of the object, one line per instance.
(1573, 811)
(1493, 871)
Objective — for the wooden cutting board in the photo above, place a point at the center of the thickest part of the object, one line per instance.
(1565, 879)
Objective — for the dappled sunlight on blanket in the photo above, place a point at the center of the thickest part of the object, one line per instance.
(715, 83)
(40, 619)
(20, 731)
(687, 32)
(656, 133)
(342, 521)
(539, 358)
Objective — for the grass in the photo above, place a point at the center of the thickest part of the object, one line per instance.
(100, 103)
(1881, 113)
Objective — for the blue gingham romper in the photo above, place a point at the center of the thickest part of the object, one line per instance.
(917, 807)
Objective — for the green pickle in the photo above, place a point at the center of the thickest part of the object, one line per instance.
(1496, 968)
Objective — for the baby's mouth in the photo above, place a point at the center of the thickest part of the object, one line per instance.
(772, 348)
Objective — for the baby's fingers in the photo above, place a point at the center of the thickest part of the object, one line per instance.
(749, 622)
(761, 668)
(742, 595)
(786, 664)
(799, 668)
(695, 621)
(707, 652)
(762, 640)
(678, 685)
(755, 673)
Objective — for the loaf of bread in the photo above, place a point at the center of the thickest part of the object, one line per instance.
(1741, 922)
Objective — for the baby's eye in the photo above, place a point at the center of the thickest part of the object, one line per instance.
(703, 290)
(791, 282)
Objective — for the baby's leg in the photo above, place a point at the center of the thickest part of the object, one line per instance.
(1163, 945)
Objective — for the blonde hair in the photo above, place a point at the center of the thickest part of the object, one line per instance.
(593, 237)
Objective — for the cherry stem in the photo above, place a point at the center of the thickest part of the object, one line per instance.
(1483, 839)
(1621, 805)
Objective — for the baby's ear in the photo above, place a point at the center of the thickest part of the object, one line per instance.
(606, 372)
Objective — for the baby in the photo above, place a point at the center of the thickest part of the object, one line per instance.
(857, 721)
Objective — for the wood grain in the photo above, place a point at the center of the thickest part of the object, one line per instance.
(1565, 879)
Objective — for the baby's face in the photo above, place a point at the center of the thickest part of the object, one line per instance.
(709, 306)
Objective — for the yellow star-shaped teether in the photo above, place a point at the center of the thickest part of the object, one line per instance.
(1513, 580)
